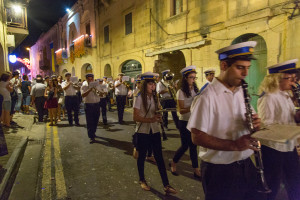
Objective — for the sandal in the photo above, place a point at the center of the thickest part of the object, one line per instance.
(169, 190)
(144, 185)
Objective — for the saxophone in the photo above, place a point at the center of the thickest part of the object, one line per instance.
(155, 97)
(262, 184)
(296, 96)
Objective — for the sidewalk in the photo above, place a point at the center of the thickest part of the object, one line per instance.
(16, 140)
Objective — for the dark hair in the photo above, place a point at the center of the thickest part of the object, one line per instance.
(231, 61)
(25, 77)
(39, 79)
(143, 91)
(185, 86)
(5, 76)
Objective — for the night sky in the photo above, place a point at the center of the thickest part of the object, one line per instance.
(42, 15)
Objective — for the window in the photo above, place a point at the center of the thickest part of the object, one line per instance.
(175, 7)
(106, 34)
(128, 23)
(88, 29)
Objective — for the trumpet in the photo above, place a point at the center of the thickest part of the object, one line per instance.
(98, 92)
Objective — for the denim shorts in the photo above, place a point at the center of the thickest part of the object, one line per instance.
(6, 105)
(26, 101)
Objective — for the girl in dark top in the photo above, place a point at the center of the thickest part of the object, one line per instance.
(26, 89)
(51, 103)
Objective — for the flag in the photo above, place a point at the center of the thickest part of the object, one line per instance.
(52, 56)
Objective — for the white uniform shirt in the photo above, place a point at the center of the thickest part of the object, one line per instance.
(70, 91)
(121, 89)
(277, 108)
(17, 88)
(220, 112)
(187, 103)
(91, 97)
(162, 86)
(145, 127)
(103, 88)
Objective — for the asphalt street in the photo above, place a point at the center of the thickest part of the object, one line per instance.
(72, 168)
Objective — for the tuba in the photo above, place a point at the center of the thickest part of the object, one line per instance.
(171, 86)
(262, 186)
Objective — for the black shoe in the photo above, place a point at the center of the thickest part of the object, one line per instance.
(70, 124)
(121, 122)
(196, 176)
(13, 123)
(173, 172)
(92, 140)
(77, 124)
(104, 123)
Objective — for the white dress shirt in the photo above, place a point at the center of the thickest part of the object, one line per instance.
(70, 91)
(187, 103)
(103, 88)
(219, 112)
(91, 97)
(277, 108)
(145, 127)
(162, 86)
(121, 89)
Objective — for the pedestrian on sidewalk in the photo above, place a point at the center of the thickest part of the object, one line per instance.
(51, 101)
(91, 105)
(61, 100)
(26, 89)
(185, 97)
(37, 97)
(71, 99)
(148, 132)
(5, 89)
(3, 145)
(16, 100)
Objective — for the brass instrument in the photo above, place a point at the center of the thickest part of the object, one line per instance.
(171, 86)
(262, 184)
(155, 97)
(98, 92)
(166, 110)
(296, 95)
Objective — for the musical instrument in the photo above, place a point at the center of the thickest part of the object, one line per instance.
(155, 97)
(262, 184)
(296, 94)
(166, 110)
(98, 92)
(171, 86)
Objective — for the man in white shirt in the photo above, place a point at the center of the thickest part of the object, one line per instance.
(91, 105)
(167, 99)
(121, 94)
(103, 100)
(16, 82)
(71, 99)
(217, 122)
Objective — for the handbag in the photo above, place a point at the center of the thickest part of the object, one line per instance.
(135, 153)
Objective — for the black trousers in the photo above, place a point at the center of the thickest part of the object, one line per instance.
(72, 104)
(103, 103)
(121, 102)
(108, 102)
(39, 105)
(235, 181)
(282, 166)
(92, 114)
(186, 142)
(169, 103)
(143, 143)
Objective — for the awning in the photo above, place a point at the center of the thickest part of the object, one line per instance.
(185, 46)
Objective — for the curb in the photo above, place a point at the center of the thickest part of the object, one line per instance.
(12, 167)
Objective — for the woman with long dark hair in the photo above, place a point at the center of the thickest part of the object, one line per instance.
(147, 129)
(185, 96)
(51, 102)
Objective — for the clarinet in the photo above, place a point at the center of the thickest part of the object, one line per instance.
(262, 184)
(161, 124)
(296, 94)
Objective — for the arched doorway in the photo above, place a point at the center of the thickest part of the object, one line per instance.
(2, 64)
(73, 71)
(174, 61)
(257, 70)
(131, 68)
(107, 70)
(63, 72)
(86, 69)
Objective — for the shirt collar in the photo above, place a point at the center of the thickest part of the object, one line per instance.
(221, 88)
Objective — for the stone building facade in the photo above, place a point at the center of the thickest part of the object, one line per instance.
(135, 36)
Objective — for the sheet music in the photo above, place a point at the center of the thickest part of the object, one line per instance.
(278, 133)
(74, 79)
(109, 79)
(93, 84)
(125, 78)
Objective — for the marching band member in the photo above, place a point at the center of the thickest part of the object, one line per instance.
(91, 106)
(71, 99)
(103, 101)
(121, 94)
(217, 122)
(276, 107)
(185, 96)
(147, 129)
(167, 100)
(210, 74)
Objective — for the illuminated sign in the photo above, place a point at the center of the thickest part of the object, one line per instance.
(14, 59)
